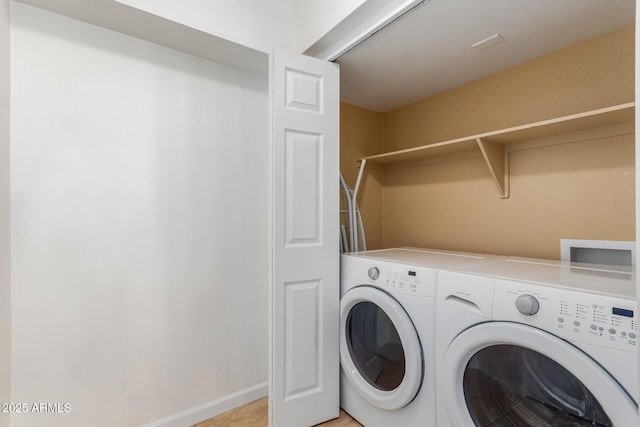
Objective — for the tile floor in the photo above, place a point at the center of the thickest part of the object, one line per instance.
(255, 414)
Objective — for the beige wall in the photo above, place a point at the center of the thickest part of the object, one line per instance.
(361, 136)
(592, 74)
(568, 187)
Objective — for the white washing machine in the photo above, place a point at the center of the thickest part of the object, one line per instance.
(536, 343)
(387, 316)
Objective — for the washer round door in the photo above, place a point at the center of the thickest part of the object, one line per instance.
(502, 372)
(380, 350)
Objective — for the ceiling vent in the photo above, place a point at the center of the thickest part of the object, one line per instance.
(488, 42)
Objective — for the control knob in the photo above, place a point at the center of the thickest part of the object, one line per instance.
(374, 273)
(527, 304)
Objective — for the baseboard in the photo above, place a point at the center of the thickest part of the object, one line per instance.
(213, 408)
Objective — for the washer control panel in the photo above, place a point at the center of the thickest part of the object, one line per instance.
(397, 278)
(570, 314)
(527, 304)
(374, 273)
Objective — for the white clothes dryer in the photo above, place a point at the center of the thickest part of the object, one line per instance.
(387, 316)
(536, 343)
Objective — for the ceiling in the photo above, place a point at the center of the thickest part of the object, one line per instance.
(430, 49)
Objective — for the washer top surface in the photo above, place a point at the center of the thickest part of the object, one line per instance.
(431, 258)
(605, 280)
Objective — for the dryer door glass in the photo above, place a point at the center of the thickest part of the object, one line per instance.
(509, 383)
(380, 351)
(375, 346)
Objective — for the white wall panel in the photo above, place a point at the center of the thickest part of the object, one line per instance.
(315, 18)
(139, 220)
(263, 25)
(5, 241)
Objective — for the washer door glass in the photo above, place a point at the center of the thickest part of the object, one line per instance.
(507, 382)
(504, 373)
(375, 346)
(380, 352)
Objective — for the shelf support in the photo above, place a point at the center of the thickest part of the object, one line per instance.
(352, 201)
(497, 159)
(363, 163)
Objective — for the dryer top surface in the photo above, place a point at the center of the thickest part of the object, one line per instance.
(431, 258)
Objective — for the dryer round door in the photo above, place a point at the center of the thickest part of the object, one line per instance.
(380, 350)
(500, 371)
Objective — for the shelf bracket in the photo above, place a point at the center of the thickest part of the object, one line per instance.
(497, 159)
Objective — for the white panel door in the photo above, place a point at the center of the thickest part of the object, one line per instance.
(305, 289)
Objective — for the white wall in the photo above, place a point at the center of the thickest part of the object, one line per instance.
(139, 221)
(5, 243)
(315, 18)
(263, 25)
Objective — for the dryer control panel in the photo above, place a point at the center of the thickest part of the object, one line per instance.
(407, 280)
(395, 278)
(573, 315)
